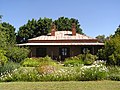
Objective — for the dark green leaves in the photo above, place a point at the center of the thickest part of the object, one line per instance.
(42, 26)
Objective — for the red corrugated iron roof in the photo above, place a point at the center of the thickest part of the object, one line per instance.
(62, 35)
(64, 38)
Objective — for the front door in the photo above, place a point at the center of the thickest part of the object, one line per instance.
(64, 52)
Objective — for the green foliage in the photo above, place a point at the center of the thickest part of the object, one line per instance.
(117, 32)
(3, 58)
(0, 18)
(114, 73)
(9, 32)
(3, 37)
(112, 51)
(42, 26)
(94, 72)
(46, 65)
(21, 74)
(17, 54)
(64, 23)
(101, 54)
(74, 61)
(86, 59)
(89, 58)
(8, 49)
(8, 68)
(34, 62)
(62, 74)
(30, 62)
(33, 28)
(101, 38)
(53, 73)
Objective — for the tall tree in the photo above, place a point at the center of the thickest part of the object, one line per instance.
(111, 51)
(33, 28)
(117, 32)
(3, 38)
(9, 32)
(64, 23)
(101, 38)
(0, 18)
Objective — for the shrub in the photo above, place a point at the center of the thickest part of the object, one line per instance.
(8, 67)
(46, 61)
(21, 74)
(73, 62)
(46, 69)
(115, 77)
(3, 58)
(111, 51)
(99, 62)
(62, 74)
(86, 59)
(30, 62)
(17, 54)
(114, 73)
(89, 59)
(94, 72)
(33, 62)
(51, 73)
(46, 65)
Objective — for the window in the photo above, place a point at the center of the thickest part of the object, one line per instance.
(64, 52)
(40, 52)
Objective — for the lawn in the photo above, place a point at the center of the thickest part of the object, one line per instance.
(71, 85)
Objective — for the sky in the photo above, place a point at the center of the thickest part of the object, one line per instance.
(96, 17)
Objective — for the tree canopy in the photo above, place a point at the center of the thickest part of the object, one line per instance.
(42, 26)
(101, 38)
(9, 31)
(0, 17)
(117, 32)
(64, 23)
(111, 51)
(8, 49)
(33, 28)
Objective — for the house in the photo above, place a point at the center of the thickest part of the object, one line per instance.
(62, 44)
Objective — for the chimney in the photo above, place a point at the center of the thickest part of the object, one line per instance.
(73, 29)
(53, 29)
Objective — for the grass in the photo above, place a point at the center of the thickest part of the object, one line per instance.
(71, 85)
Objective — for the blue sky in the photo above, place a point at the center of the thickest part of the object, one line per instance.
(96, 17)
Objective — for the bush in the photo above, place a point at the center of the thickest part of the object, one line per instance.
(8, 67)
(52, 73)
(89, 59)
(114, 73)
(46, 65)
(114, 77)
(62, 74)
(21, 74)
(94, 72)
(73, 61)
(34, 62)
(3, 58)
(46, 61)
(86, 59)
(111, 51)
(30, 62)
(17, 54)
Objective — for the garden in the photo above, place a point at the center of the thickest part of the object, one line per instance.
(72, 69)
(16, 68)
